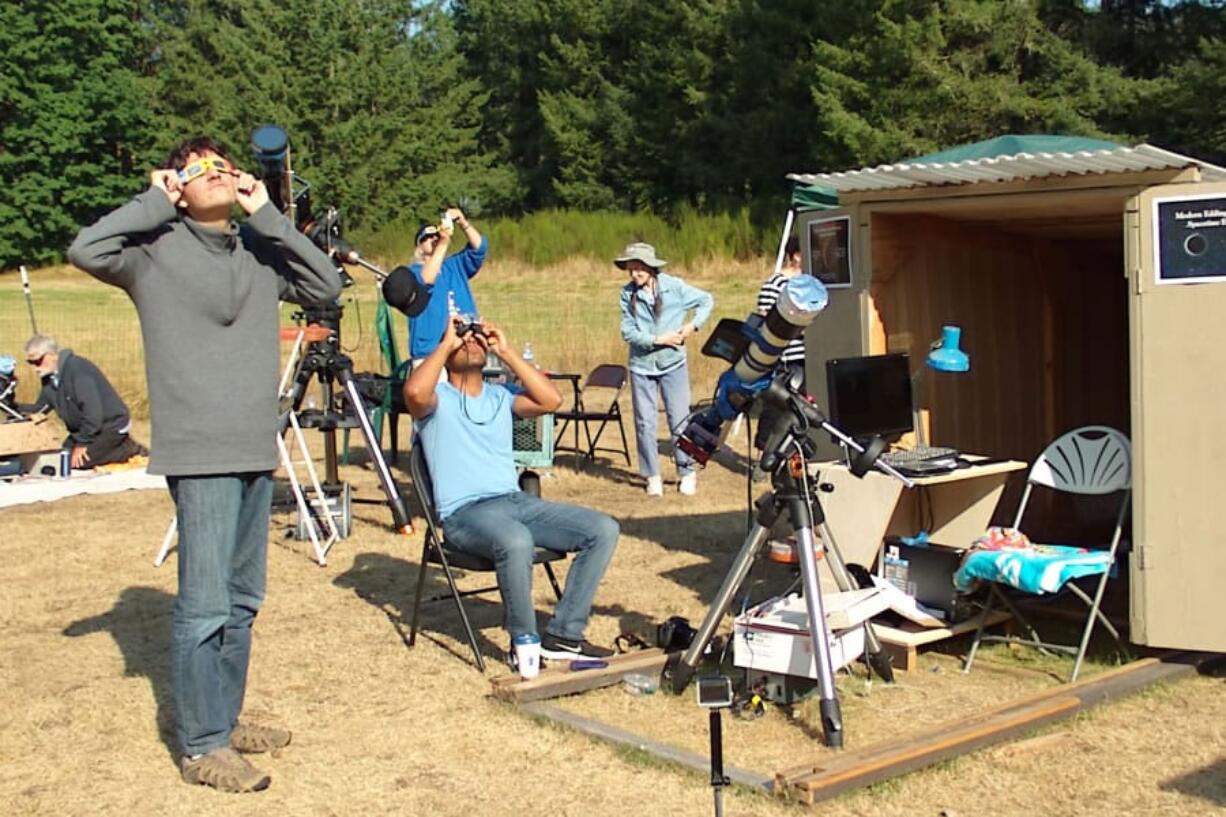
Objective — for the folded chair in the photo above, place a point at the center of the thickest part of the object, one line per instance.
(434, 551)
(1092, 460)
(610, 379)
(391, 397)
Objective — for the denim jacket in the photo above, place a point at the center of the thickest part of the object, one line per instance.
(641, 326)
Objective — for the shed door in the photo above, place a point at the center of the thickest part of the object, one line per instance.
(1175, 245)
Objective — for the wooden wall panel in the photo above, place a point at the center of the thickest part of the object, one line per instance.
(1044, 322)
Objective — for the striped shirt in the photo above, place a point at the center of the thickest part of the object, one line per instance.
(794, 352)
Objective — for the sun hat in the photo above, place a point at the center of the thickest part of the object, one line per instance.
(639, 251)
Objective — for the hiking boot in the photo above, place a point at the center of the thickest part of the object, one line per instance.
(251, 739)
(225, 770)
(567, 649)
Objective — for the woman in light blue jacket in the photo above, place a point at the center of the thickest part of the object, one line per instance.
(654, 307)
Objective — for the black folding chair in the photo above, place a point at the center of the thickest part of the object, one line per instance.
(434, 551)
(609, 378)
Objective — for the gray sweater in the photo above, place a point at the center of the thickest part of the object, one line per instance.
(207, 302)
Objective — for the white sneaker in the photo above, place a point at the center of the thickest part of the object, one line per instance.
(655, 486)
(689, 484)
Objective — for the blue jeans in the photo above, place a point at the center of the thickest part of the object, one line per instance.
(506, 529)
(223, 552)
(674, 386)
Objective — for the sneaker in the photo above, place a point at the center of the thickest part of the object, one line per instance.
(225, 770)
(252, 740)
(566, 649)
(655, 486)
(689, 484)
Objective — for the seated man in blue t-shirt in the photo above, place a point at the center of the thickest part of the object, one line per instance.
(465, 426)
(445, 278)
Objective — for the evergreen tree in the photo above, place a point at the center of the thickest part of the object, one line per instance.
(380, 121)
(925, 75)
(75, 124)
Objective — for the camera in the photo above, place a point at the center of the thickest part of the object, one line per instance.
(446, 222)
(467, 324)
(715, 692)
(675, 634)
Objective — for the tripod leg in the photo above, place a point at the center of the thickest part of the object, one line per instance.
(878, 661)
(832, 718)
(304, 509)
(684, 669)
(325, 507)
(400, 514)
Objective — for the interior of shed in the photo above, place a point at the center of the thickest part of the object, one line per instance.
(1038, 285)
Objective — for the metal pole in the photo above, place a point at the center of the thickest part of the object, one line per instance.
(25, 288)
(718, 781)
(783, 239)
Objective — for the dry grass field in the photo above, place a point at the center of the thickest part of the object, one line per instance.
(85, 708)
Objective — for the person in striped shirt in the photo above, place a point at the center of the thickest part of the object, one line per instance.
(794, 353)
(793, 356)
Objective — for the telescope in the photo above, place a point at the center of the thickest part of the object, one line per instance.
(753, 347)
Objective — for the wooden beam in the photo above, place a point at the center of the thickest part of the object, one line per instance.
(834, 775)
(560, 680)
(683, 757)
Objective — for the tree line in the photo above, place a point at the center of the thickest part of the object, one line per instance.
(507, 107)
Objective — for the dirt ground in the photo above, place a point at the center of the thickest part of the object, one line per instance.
(85, 709)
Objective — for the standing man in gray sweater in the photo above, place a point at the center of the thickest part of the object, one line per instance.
(206, 292)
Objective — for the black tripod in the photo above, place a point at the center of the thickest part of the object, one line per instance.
(792, 491)
(323, 359)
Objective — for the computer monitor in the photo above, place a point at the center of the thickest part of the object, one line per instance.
(870, 396)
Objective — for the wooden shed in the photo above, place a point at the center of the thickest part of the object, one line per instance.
(1089, 280)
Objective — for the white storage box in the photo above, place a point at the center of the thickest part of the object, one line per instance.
(774, 636)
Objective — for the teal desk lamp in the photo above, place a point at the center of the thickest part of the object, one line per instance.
(944, 356)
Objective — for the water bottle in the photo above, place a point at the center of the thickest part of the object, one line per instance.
(528, 357)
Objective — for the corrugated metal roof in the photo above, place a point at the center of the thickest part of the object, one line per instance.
(1009, 168)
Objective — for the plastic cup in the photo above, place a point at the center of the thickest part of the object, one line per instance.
(527, 648)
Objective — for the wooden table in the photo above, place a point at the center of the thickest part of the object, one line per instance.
(862, 512)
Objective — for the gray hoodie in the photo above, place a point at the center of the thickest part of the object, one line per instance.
(207, 302)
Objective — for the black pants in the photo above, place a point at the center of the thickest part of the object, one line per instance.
(112, 446)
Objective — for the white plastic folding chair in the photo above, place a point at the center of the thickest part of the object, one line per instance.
(1091, 460)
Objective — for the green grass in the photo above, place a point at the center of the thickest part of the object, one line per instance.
(548, 237)
(569, 312)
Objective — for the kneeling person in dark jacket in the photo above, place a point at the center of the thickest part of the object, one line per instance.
(96, 418)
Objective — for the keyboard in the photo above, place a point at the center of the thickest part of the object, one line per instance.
(907, 457)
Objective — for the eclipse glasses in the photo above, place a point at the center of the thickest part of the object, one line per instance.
(200, 167)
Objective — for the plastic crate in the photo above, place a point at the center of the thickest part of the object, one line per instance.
(532, 442)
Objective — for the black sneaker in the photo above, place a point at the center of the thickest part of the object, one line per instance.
(565, 649)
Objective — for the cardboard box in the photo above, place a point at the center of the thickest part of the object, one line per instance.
(30, 437)
(774, 636)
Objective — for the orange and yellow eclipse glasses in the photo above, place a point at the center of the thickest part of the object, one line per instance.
(200, 167)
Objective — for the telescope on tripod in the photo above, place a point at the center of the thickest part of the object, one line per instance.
(753, 348)
(323, 360)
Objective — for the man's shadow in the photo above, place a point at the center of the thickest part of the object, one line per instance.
(140, 624)
(388, 583)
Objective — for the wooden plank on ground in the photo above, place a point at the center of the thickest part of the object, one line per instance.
(698, 762)
(854, 771)
(833, 775)
(560, 680)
